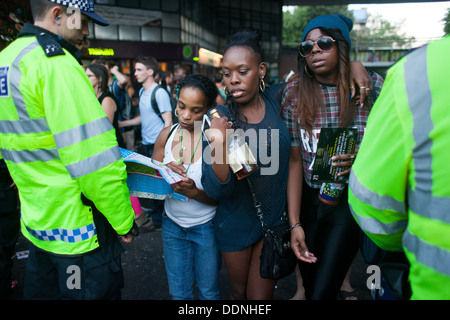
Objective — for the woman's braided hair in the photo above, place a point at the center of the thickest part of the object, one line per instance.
(202, 83)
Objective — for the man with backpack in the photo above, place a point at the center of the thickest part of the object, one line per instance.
(155, 115)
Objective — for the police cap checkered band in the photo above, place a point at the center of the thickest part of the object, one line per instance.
(86, 7)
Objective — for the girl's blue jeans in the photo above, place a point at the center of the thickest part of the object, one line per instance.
(191, 254)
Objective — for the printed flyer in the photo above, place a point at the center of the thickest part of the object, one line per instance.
(333, 141)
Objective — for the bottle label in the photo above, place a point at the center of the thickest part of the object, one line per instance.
(330, 193)
(234, 163)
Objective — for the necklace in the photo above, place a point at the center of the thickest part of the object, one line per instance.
(180, 153)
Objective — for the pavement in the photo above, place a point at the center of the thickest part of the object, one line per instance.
(145, 274)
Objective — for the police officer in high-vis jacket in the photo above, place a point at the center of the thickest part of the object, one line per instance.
(400, 181)
(62, 154)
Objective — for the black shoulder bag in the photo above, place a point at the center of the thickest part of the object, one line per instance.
(277, 258)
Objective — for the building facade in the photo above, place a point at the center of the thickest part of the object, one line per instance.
(189, 33)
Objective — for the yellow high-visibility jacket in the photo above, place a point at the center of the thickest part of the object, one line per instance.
(399, 189)
(58, 144)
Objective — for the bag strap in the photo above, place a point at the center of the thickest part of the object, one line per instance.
(154, 102)
(257, 204)
(259, 212)
(176, 125)
(111, 87)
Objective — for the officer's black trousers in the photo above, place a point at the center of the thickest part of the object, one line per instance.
(53, 277)
(9, 232)
(91, 276)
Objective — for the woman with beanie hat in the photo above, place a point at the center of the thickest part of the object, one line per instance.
(321, 97)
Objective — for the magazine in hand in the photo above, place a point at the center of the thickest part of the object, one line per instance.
(148, 178)
(333, 141)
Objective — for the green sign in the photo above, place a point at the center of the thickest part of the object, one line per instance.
(187, 52)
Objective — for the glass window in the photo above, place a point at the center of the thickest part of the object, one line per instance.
(106, 33)
(256, 5)
(171, 35)
(266, 5)
(170, 20)
(235, 23)
(170, 5)
(246, 5)
(276, 7)
(234, 4)
(128, 3)
(110, 2)
(151, 5)
(91, 30)
(129, 33)
(150, 34)
(256, 16)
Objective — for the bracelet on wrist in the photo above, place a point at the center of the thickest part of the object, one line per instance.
(295, 226)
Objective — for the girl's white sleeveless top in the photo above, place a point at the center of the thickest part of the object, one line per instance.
(187, 213)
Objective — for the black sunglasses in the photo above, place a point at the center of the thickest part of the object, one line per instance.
(324, 43)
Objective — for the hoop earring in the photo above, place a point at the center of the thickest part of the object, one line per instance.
(227, 93)
(307, 72)
(175, 112)
(262, 84)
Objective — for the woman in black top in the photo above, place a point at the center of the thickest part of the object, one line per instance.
(98, 75)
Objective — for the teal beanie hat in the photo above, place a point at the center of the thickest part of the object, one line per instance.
(336, 21)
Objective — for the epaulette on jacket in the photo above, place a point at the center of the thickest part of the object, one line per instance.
(50, 46)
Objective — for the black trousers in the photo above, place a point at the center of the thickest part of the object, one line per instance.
(9, 232)
(55, 277)
(96, 275)
(332, 235)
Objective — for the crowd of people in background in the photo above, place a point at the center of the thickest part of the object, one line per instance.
(63, 157)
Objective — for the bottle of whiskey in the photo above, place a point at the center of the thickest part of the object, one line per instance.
(240, 158)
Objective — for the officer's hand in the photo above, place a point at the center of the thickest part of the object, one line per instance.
(127, 238)
(133, 233)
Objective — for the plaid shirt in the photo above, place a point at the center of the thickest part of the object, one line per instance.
(327, 118)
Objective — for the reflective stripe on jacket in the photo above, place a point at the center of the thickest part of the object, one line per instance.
(399, 185)
(59, 144)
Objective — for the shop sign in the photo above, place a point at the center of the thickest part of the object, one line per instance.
(100, 51)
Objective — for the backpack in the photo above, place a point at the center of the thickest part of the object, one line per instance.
(125, 106)
(155, 103)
